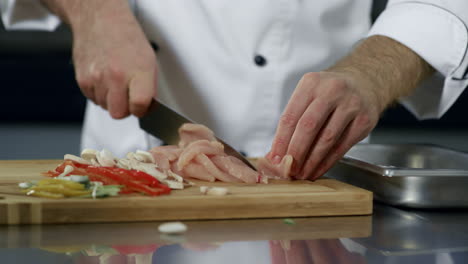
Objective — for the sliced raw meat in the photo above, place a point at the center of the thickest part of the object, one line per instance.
(197, 171)
(215, 171)
(199, 155)
(236, 168)
(189, 133)
(279, 171)
(161, 161)
(175, 169)
(199, 147)
(171, 152)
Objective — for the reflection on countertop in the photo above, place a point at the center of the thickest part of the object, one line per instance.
(391, 235)
(206, 241)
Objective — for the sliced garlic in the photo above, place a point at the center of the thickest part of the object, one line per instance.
(176, 176)
(95, 163)
(66, 170)
(105, 158)
(136, 157)
(145, 156)
(175, 185)
(25, 185)
(124, 164)
(189, 183)
(75, 159)
(204, 189)
(88, 154)
(151, 170)
(215, 191)
(172, 228)
(130, 156)
(127, 163)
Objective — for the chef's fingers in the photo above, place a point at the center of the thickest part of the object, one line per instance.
(359, 128)
(297, 253)
(332, 251)
(85, 83)
(296, 106)
(277, 253)
(101, 87)
(306, 131)
(142, 89)
(319, 251)
(117, 96)
(327, 138)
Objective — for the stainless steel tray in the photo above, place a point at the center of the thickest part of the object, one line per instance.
(410, 232)
(410, 175)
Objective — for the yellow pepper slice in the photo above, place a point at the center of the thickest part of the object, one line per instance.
(44, 194)
(59, 189)
(67, 184)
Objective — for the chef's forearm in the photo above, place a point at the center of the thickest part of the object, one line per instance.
(79, 14)
(390, 69)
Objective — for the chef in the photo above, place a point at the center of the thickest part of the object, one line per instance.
(306, 78)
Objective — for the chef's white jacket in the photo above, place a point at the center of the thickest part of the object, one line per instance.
(233, 65)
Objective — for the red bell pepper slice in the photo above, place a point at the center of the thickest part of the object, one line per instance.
(133, 180)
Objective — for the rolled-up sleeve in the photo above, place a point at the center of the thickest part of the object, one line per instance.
(437, 31)
(27, 14)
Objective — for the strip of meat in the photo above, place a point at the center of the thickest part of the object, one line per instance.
(171, 152)
(197, 171)
(176, 170)
(206, 162)
(199, 147)
(161, 161)
(236, 168)
(189, 133)
(279, 171)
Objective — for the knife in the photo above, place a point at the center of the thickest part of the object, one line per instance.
(163, 122)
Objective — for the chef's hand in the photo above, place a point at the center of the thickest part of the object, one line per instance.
(327, 114)
(330, 111)
(318, 251)
(115, 65)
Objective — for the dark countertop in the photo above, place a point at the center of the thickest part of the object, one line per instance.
(390, 235)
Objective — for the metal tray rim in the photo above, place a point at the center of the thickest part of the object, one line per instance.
(390, 171)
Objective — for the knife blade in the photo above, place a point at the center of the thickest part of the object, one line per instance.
(163, 122)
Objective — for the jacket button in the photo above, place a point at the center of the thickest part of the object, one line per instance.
(260, 60)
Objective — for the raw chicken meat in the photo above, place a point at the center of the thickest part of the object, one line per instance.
(161, 161)
(197, 171)
(279, 171)
(171, 152)
(199, 147)
(192, 132)
(214, 169)
(198, 155)
(236, 168)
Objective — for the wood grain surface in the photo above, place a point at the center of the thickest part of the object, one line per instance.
(324, 197)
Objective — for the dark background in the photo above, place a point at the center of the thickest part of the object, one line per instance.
(38, 82)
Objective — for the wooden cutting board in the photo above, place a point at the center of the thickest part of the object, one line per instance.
(324, 197)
